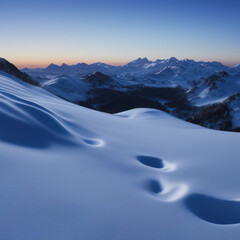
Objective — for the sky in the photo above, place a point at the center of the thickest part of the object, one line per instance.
(37, 33)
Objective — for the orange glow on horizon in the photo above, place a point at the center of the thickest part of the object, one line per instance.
(32, 64)
(44, 63)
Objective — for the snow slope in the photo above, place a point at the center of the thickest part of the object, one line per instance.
(215, 88)
(71, 173)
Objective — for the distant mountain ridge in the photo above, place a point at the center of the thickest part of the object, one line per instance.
(171, 71)
(137, 63)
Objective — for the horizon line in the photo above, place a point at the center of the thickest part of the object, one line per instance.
(117, 64)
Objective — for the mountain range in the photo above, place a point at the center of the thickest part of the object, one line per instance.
(205, 93)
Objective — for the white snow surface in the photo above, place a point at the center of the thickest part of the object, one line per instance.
(71, 173)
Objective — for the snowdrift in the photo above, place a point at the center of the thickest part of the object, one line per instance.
(72, 173)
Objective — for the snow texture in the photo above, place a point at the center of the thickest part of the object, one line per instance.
(71, 173)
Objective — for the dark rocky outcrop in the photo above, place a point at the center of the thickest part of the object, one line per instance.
(9, 68)
(213, 79)
(98, 78)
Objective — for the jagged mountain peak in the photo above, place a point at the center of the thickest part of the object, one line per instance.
(52, 65)
(139, 61)
(173, 59)
(64, 65)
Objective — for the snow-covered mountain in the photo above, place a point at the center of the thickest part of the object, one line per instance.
(168, 72)
(186, 88)
(68, 172)
(215, 88)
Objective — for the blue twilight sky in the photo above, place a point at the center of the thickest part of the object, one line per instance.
(36, 33)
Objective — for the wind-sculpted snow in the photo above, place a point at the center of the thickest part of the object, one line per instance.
(67, 172)
(29, 124)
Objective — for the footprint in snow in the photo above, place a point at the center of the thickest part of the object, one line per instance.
(153, 186)
(149, 161)
(210, 209)
(163, 191)
(213, 210)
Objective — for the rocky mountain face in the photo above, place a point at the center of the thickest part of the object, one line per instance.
(9, 68)
(97, 79)
(205, 93)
